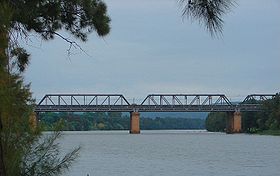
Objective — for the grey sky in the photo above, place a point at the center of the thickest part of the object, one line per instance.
(152, 50)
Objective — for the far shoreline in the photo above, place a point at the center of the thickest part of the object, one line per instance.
(263, 133)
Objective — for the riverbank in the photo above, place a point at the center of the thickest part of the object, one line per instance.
(269, 132)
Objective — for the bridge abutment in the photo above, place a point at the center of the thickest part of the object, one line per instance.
(234, 122)
(134, 123)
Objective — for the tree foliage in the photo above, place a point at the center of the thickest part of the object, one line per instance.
(267, 119)
(43, 157)
(79, 17)
(216, 122)
(19, 18)
(16, 133)
(207, 12)
(115, 121)
(22, 148)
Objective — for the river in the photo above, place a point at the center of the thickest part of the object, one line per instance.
(172, 153)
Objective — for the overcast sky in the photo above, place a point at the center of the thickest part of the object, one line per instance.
(150, 49)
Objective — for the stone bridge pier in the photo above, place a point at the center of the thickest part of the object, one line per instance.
(234, 122)
(134, 123)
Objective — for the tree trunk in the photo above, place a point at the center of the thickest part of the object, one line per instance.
(3, 64)
(2, 166)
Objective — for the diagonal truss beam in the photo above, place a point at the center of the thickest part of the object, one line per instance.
(258, 97)
(186, 99)
(83, 99)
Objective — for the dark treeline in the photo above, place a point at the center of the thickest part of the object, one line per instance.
(252, 122)
(114, 121)
(171, 123)
(216, 121)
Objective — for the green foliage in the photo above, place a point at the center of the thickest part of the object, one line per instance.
(216, 122)
(26, 151)
(85, 121)
(208, 12)
(114, 121)
(252, 122)
(171, 123)
(270, 132)
(43, 157)
(46, 18)
(15, 110)
(21, 58)
(21, 150)
(79, 17)
(268, 119)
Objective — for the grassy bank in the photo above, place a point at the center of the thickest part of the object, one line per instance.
(269, 132)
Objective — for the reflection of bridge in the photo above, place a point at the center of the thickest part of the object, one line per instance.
(153, 103)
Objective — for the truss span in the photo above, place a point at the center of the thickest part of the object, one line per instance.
(186, 99)
(258, 98)
(83, 100)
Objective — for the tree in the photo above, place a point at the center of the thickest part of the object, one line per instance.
(267, 119)
(43, 158)
(216, 121)
(19, 18)
(252, 122)
(207, 12)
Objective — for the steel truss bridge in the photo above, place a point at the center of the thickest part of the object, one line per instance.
(152, 103)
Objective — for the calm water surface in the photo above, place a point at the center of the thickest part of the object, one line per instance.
(173, 153)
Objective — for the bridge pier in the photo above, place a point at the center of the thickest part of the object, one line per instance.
(234, 122)
(134, 123)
